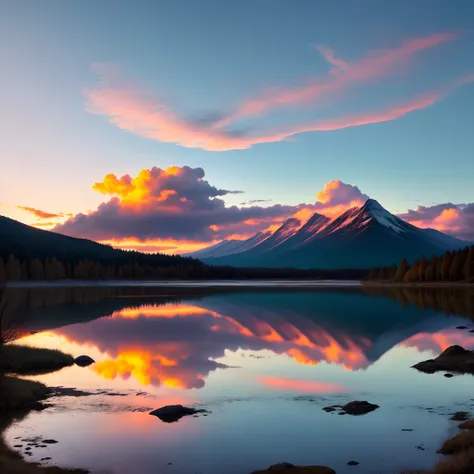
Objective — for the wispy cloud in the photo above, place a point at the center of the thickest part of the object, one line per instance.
(374, 65)
(41, 214)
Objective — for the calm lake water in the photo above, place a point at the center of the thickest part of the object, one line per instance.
(263, 360)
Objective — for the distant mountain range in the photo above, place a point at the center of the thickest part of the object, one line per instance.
(361, 237)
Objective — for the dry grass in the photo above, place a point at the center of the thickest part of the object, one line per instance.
(17, 394)
(461, 442)
(462, 463)
(24, 360)
(461, 449)
(467, 425)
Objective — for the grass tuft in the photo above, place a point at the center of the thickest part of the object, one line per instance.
(24, 360)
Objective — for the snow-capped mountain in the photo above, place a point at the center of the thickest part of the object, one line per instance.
(361, 237)
(229, 247)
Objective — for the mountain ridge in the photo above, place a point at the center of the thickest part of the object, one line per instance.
(360, 237)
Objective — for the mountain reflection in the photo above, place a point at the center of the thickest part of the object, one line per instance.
(176, 339)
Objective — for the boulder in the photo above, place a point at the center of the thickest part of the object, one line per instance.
(453, 359)
(172, 413)
(359, 407)
(84, 361)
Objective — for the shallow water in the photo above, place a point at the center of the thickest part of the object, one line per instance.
(264, 361)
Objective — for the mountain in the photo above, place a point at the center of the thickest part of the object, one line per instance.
(26, 242)
(361, 237)
(229, 247)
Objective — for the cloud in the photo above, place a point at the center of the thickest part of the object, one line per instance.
(136, 111)
(40, 214)
(374, 65)
(254, 201)
(178, 345)
(453, 219)
(168, 204)
(301, 385)
(336, 198)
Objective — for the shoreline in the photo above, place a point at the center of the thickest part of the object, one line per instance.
(441, 284)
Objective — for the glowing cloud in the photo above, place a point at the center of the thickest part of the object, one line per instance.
(454, 219)
(165, 206)
(40, 214)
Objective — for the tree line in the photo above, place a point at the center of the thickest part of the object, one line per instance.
(137, 266)
(457, 265)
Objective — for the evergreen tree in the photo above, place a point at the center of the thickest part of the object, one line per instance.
(3, 275)
(446, 265)
(13, 269)
(457, 267)
(469, 265)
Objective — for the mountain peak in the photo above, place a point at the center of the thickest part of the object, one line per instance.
(373, 205)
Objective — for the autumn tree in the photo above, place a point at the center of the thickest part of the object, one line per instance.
(401, 270)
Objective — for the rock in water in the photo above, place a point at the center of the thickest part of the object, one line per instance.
(84, 361)
(359, 407)
(453, 359)
(172, 413)
(287, 468)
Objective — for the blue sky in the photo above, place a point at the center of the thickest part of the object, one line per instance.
(207, 58)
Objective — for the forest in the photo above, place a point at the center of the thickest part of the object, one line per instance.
(452, 266)
(137, 266)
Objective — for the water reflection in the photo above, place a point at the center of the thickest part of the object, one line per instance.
(264, 362)
(159, 339)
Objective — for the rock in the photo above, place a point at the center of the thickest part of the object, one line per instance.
(18, 446)
(454, 351)
(342, 413)
(287, 468)
(352, 463)
(359, 407)
(448, 376)
(28, 449)
(407, 429)
(281, 465)
(84, 361)
(461, 327)
(453, 359)
(331, 408)
(45, 459)
(172, 413)
(460, 416)
(49, 441)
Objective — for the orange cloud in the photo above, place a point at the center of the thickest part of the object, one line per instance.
(40, 214)
(301, 385)
(454, 219)
(439, 341)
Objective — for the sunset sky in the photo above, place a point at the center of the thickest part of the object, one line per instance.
(168, 126)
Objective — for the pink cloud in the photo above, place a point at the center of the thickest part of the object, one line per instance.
(376, 64)
(134, 110)
(453, 219)
(131, 111)
(301, 386)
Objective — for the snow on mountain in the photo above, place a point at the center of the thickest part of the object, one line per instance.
(361, 237)
(230, 247)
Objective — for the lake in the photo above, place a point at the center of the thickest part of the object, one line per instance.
(264, 361)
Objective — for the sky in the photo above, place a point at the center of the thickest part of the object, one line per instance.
(168, 126)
